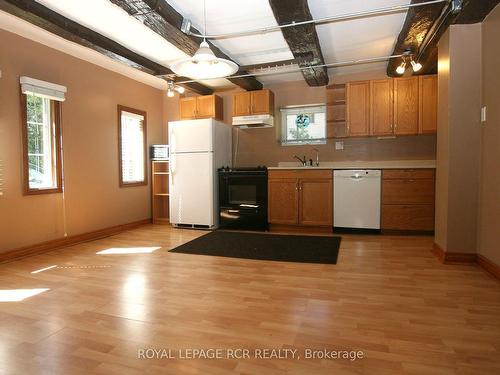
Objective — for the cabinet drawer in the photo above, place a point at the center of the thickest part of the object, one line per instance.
(411, 191)
(408, 217)
(407, 173)
(300, 173)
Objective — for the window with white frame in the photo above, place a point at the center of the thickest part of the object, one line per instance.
(303, 125)
(41, 129)
(132, 144)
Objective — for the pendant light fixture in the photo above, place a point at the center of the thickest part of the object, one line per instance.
(204, 64)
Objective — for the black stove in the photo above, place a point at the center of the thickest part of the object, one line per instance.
(243, 198)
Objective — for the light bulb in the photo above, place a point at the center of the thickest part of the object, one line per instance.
(401, 69)
(416, 66)
(170, 93)
(180, 89)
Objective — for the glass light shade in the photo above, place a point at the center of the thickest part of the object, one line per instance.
(416, 66)
(204, 65)
(180, 89)
(170, 93)
(401, 69)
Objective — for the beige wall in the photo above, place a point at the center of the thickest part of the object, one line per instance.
(442, 147)
(459, 139)
(262, 147)
(489, 197)
(93, 199)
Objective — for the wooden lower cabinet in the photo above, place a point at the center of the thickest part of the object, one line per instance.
(300, 198)
(408, 199)
(282, 193)
(418, 217)
(315, 202)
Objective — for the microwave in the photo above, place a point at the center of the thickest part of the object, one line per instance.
(159, 152)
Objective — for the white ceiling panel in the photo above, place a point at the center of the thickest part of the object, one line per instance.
(113, 22)
(228, 16)
(355, 39)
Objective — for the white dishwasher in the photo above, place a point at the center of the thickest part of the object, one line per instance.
(356, 198)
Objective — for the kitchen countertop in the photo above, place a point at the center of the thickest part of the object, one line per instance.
(382, 164)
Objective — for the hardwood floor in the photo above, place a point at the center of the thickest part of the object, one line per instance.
(387, 296)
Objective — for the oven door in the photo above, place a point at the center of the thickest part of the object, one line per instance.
(243, 191)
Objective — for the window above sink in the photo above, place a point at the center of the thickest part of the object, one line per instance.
(303, 125)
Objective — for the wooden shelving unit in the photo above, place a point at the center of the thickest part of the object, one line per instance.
(159, 192)
(336, 111)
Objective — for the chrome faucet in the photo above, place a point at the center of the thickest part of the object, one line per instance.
(302, 161)
(317, 156)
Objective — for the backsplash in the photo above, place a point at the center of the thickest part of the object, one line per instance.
(259, 147)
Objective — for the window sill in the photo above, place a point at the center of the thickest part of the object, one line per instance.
(42, 191)
(132, 184)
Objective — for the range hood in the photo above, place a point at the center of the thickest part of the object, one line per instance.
(253, 121)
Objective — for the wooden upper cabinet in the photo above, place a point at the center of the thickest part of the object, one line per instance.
(200, 107)
(257, 102)
(381, 107)
(358, 108)
(262, 102)
(187, 108)
(316, 202)
(282, 200)
(406, 106)
(241, 104)
(427, 104)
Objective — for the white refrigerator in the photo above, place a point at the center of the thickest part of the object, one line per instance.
(197, 149)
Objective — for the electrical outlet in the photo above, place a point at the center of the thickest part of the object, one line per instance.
(483, 114)
(339, 145)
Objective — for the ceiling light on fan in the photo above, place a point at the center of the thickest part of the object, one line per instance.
(401, 68)
(204, 64)
(415, 66)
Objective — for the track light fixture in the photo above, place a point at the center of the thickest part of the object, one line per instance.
(408, 60)
(172, 88)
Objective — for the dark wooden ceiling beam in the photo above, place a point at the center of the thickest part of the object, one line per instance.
(51, 21)
(419, 22)
(164, 20)
(303, 39)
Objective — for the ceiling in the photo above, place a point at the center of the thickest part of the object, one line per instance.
(341, 41)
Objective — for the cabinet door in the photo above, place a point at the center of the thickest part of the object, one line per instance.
(358, 105)
(381, 107)
(262, 102)
(187, 108)
(427, 104)
(408, 191)
(205, 106)
(283, 201)
(406, 106)
(241, 104)
(408, 217)
(315, 202)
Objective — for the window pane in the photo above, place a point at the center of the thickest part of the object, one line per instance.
(41, 143)
(132, 147)
(301, 126)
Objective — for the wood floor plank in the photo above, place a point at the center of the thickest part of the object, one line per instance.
(387, 296)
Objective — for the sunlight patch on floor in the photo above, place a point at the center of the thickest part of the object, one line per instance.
(16, 295)
(128, 250)
(44, 269)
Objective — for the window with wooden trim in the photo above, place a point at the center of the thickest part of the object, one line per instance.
(41, 130)
(132, 146)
